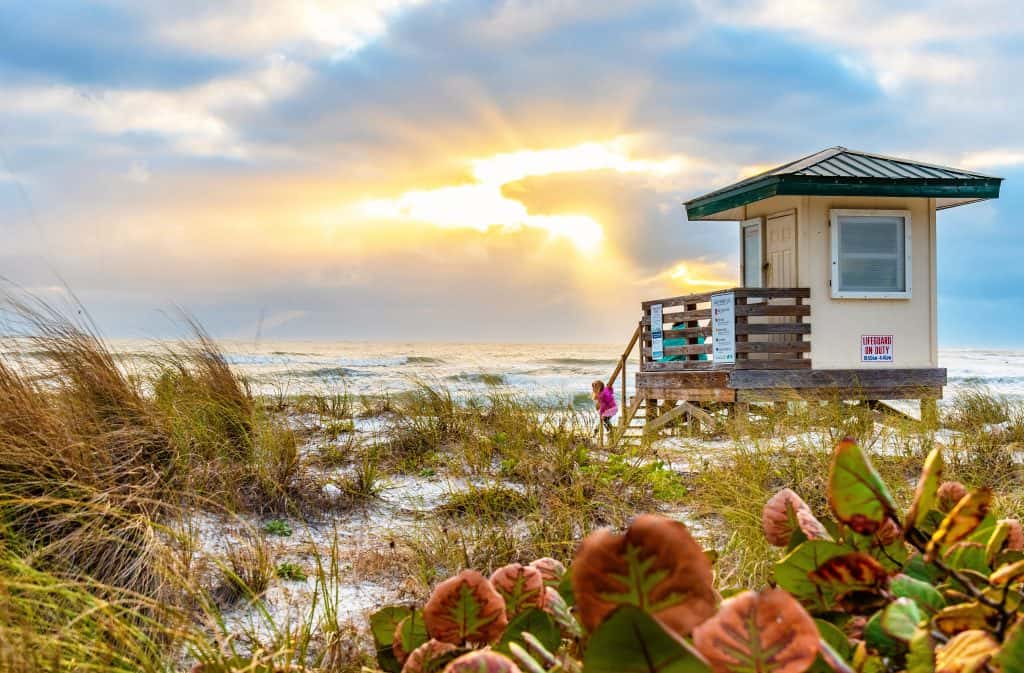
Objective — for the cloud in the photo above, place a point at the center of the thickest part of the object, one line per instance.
(196, 120)
(424, 167)
(483, 204)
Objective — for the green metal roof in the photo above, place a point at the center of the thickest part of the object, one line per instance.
(838, 171)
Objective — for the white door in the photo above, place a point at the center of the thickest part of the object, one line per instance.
(780, 240)
(780, 252)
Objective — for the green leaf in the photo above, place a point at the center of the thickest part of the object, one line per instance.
(926, 572)
(924, 594)
(926, 494)
(967, 556)
(832, 635)
(900, 619)
(537, 623)
(879, 640)
(921, 654)
(383, 624)
(1011, 654)
(414, 632)
(631, 641)
(858, 496)
(565, 588)
(793, 570)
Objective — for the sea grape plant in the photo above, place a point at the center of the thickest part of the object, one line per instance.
(871, 589)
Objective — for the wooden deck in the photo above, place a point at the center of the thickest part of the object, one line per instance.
(773, 361)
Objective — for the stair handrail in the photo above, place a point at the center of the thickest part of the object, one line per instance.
(620, 369)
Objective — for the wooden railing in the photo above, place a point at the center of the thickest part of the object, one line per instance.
(769, 327)
(620, 373)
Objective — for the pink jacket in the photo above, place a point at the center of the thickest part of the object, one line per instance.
(606, 402)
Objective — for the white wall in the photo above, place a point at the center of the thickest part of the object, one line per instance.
(837, 324)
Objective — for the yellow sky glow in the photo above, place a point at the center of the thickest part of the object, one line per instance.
(482, 204)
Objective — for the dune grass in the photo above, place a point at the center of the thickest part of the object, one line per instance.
(103, 467)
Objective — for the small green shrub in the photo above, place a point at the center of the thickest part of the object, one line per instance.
(292, 572)
(277, 527)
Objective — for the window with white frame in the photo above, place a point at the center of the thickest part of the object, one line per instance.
(871, 254)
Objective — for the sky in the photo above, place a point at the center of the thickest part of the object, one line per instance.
(471, 171)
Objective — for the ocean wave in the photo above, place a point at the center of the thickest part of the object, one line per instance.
(331, 373)
(423, 360)
(582, 361)
(486, 378)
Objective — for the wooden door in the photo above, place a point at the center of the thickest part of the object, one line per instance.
(780, 240)
(780, 257)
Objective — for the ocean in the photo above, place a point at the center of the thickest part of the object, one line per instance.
(552, 374)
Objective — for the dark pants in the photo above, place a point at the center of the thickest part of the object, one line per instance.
(607, 424)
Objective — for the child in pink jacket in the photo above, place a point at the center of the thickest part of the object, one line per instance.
(604, 400)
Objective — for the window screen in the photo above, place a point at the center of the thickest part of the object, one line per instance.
(872, 253)
(752, 256)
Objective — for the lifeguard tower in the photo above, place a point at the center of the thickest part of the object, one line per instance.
(838, 294)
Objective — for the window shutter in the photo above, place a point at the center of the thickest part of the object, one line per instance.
(872, 253)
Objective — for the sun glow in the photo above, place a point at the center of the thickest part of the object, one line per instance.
(482, 204)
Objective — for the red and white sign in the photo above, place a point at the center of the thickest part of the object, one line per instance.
(876, 348)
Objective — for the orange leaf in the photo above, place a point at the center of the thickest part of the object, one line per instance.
(425, 658)
(783, 512)
(482, 661)
(521, 586)
(656, 565)
(551, 569)
(853, 571)
(769, 632)
(465, 608)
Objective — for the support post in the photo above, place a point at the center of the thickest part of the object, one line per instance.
(930, 413)
(625, 402)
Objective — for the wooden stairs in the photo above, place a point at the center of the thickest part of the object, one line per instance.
(643, 420)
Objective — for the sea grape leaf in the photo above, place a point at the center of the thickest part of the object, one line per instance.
(892, 556)
(901, 618)
(632, 641)
(966, 652)
(785, 514)
(536, 622)
(565, 588)
(791, 572)
(967, 556)
(465, 608)
(383, 624)
(655, 565)
(926, 494)
(410, 634)
(865, 662)
(829, 659)
(921, 653)
(768, 632)
(1007, 573)
(961, 521)
(1011, 654)
(924, 594)
(834, 636)
(963, 617)
(854, 571)
(880, 641)
(521, 586)
(552, 570)
(482, 661)
(997, 540)
(431, 657)
(917, 568)
(858, 496)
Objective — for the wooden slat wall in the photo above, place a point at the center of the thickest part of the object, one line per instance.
(692, 314)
